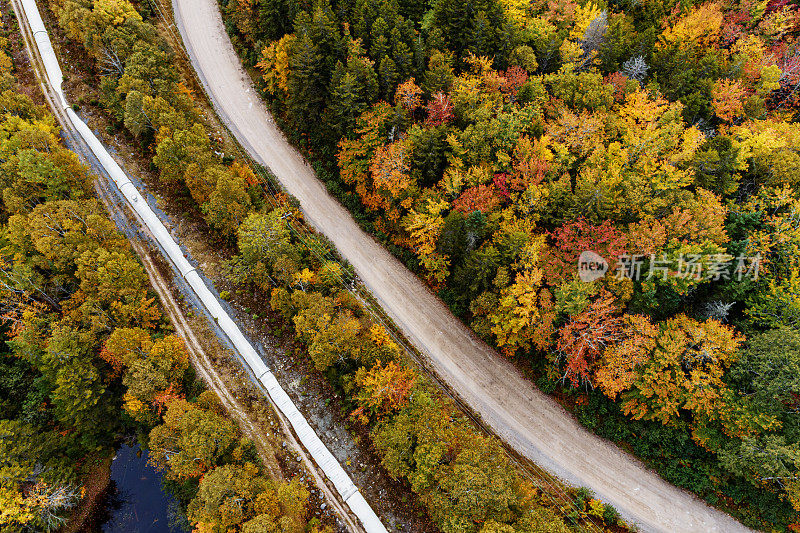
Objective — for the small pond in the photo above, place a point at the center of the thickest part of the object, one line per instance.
(137, 503)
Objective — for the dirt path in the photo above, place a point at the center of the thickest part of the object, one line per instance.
(528, 420)
(213, 381)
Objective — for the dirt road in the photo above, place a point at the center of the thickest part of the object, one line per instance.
(528, 420)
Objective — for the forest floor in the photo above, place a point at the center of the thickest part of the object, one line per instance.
(530, 422)
(213, 360)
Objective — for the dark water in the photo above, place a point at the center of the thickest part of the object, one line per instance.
(137, 503)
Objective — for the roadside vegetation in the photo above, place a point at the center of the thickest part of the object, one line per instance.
(88, 358)
(489, 143)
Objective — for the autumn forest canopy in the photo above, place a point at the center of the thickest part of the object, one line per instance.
(89, 291)
(488, 143)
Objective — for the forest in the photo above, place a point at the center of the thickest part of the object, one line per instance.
(87, 357)
(463, 478)
(490, 143)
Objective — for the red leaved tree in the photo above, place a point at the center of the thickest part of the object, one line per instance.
(619, 81)
(582, 340)
(483, 198)
(440, 110)
(561, 258)
(515, 77)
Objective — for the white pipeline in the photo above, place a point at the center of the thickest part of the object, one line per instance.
(322, 456)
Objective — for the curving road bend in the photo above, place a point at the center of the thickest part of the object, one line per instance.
(528, 420)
